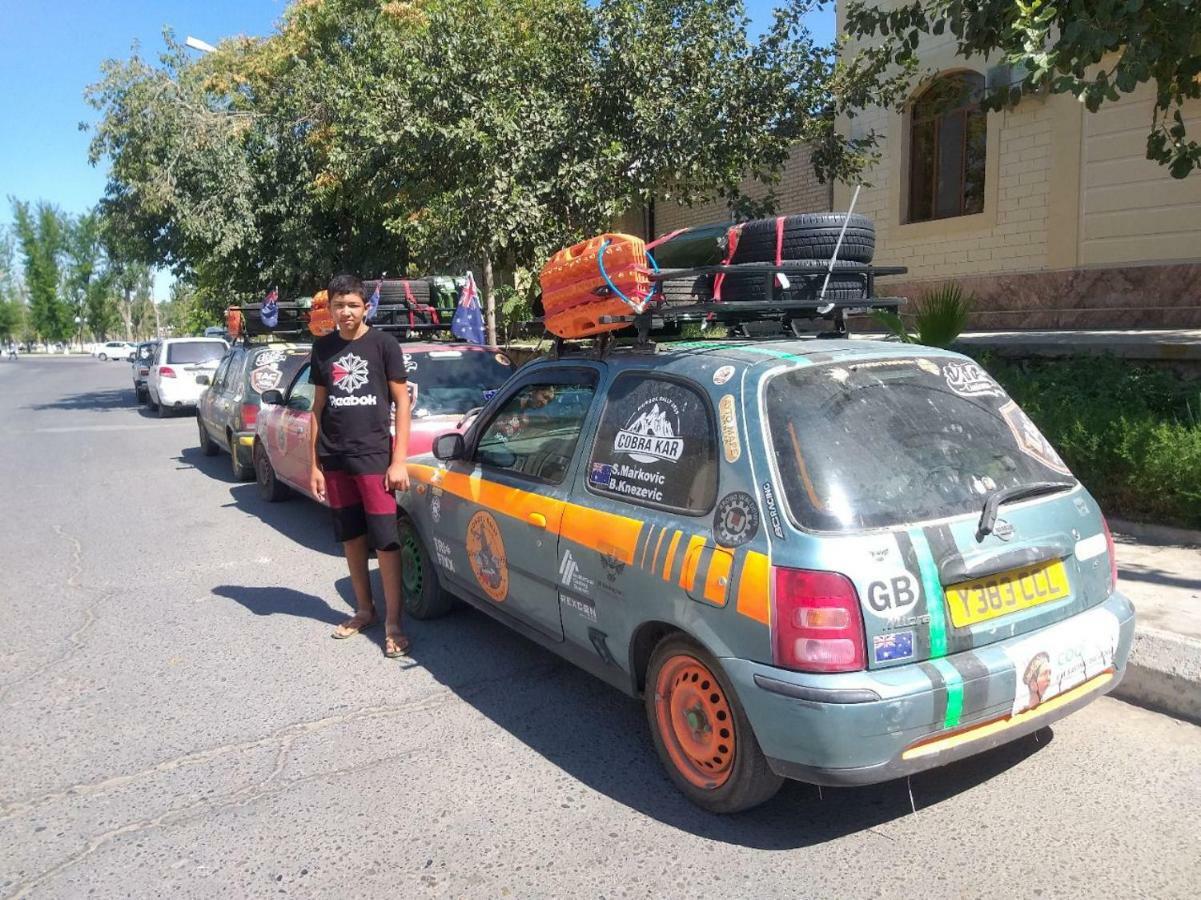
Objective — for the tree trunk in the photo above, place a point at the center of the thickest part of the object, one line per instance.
(489, 300)
(127, 314)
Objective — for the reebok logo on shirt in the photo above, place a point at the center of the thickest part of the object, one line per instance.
(349, 374)
(368, 400)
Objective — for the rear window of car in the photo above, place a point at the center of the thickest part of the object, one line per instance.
(656, 446)
(195, 351)
(269, 368)
(892, 441)
(452, 382)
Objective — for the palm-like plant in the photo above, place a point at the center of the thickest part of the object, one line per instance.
(940, 316)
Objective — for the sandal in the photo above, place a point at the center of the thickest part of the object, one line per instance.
(352, 626)
(396, 645)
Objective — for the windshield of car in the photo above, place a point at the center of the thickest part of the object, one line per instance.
(195, 352)
(884, 442)
(272, 368)
(451, 382)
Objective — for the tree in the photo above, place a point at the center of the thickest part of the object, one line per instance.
(41, 235)
(12, 303)
(89, 280)
(1096, 51)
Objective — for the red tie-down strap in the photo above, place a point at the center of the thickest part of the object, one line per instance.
(667, 237)
(412, 304)
(732, 237)
(779, 239)
(410, 301)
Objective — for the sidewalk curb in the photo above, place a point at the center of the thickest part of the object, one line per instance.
(1158, 534)
(1164, 674)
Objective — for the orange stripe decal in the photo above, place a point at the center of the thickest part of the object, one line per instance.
(753, 590)
(603, 531)
(671, 554)
(717, 580)
(692, 558)
(658, 544)
(650, 530)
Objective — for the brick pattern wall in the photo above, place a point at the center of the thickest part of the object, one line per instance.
(799, 191)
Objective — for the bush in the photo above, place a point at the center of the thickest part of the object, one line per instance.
(1131, 433)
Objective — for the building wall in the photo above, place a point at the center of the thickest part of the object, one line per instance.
(1067, 192)
(799, 191)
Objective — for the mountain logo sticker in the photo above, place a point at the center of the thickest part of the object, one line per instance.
(650, 434)
(350, 373)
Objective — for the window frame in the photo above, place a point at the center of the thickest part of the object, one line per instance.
(706, 402)
(553, 376)
(965, 110)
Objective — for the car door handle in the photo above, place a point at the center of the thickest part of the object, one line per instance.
(537, 519)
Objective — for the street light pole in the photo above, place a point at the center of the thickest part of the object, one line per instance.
(79, 330)
(197, 44)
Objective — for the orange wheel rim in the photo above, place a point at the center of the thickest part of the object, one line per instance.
(695, 721)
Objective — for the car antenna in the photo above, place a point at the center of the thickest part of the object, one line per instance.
(826, 307)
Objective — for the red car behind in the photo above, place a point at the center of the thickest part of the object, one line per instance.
(446, 381)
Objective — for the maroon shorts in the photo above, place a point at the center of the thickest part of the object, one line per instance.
(362, 505)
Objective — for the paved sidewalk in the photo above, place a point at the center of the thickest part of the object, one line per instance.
(1164, 582)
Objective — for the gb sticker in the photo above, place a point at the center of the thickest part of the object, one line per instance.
(894, 595)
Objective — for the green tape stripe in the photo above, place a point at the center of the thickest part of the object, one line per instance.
(936, 608)
(954, 692)
(743, 348)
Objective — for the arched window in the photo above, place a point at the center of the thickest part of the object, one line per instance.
(947, 148)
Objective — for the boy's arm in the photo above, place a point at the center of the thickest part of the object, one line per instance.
(316, 476)
(398, 473)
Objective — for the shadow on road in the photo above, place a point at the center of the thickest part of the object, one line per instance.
(600, 737)
(93, 401)
(281, 601)
(1157, 576)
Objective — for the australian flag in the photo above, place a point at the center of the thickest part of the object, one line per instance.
(373, 302)
(269, 312)
(468, 321)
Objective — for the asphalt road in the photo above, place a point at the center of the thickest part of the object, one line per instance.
(175, 721)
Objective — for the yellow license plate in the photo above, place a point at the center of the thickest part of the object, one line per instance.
(1006, 592)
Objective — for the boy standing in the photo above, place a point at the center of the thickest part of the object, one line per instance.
(354, 461)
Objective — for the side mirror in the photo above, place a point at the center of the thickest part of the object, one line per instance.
(449, 446)
(272, 398)
(203, 379)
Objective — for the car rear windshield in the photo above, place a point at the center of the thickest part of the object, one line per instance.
(271, 368)
(195, 352)
(451, 382)
(885, 442)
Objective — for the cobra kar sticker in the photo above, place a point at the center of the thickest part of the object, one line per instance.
(486, 553)
(773, 511)
(650, 434)
(736, 520)
(1030, 440)
(1056, 660)
(729, 428)
(722, 375)
(968, 380)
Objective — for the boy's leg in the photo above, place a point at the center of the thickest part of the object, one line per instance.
(350, 528)
(383, 534)
(356, 560)
(390, 574)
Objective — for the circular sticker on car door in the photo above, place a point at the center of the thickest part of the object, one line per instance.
(486, 553)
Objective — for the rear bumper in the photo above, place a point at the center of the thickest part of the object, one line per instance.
(868, 727)
(179, 394)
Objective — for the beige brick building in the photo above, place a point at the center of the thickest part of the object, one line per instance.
(1051, 215)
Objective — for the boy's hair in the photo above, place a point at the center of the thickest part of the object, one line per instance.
(343, 284)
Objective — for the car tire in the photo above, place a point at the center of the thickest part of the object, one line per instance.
(207, 445)
(161, 410)
(241, 471)
(270, 487)
(808, 236)
(103, 357)
(424, 597)
(848, 281)
(687, 694)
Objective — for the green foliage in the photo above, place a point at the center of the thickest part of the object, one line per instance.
(1129, 432)
(940, 316)
(41, 233)
(1095, 51)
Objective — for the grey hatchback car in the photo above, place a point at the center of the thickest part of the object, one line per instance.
(835, 561)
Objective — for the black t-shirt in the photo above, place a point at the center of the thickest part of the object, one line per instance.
(355, 423)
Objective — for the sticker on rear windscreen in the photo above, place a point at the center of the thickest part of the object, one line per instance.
(269, 357)
(969, 380)
(266, 378)
(729, 428)
(892, 647)
(1030, 440)
(650, 434)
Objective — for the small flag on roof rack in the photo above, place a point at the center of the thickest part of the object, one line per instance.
(269, 312)
(468, 321)
(373, 302)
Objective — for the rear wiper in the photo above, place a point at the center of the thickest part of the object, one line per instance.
(1003, 495)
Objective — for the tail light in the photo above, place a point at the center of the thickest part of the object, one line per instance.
(166, 372)
(143, 371)
(250, 412)
(817, 625)
(1113, 557)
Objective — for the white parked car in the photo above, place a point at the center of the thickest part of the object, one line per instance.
(178, 363)
(113, 350)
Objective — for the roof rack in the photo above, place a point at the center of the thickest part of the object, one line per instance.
(293, 323)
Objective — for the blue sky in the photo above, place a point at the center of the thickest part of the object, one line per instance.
(50, 52)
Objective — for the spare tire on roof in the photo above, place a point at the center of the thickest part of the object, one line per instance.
(848, 281)
(683, 291)
(807, 236)
(704, 245)
(392, 290)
